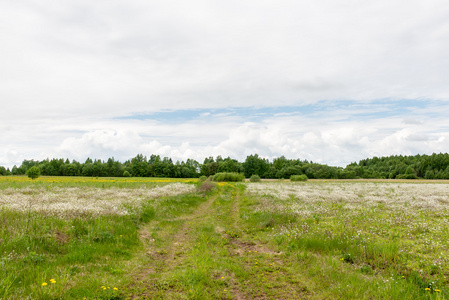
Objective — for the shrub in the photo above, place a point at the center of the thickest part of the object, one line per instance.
(126, 174)
(206, 187)
(254, 178)
(234, 177)
(302, 177)
(34, 172)
(202, 178)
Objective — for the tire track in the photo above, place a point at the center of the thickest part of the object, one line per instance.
(165, 260)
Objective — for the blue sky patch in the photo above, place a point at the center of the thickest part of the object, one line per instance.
(350, 110)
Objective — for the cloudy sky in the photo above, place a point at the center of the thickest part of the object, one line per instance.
(332, 81)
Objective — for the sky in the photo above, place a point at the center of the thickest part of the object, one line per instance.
(330, 81)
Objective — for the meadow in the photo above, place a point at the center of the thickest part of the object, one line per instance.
(158, 238)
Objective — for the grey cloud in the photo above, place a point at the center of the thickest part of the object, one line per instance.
(412, 121)
(418, 137)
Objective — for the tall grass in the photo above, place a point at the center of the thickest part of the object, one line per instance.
(378, 229)
(48, 255)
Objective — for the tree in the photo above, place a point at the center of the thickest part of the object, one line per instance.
(2, 170)
(209, 167)
(139, 166)
(33, 172)
(255, 165)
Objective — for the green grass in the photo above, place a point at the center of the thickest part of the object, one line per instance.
(48, 182)
(81, 254)
(330, 240)
(357, 253)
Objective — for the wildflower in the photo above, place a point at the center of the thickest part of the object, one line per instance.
(222, 277)
(342, 258)
(52, 280)
(427, 289)
(437, 290)
(116, 289)
(44, 283)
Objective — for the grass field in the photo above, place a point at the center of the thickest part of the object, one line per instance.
(146, 238)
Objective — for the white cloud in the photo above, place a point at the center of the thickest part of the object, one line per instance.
(69, 68)
(324, 139)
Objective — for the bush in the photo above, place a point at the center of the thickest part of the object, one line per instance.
(34, 172)
(126, 174)
(206, 187)
(254, 178)
(234, 177)
(202, 178)
(302, 177)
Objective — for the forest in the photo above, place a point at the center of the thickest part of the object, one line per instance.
(435, 166)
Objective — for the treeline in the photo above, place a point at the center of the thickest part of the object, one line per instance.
(435, 166)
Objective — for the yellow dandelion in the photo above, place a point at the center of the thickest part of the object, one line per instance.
(44, 283)
(437, 290)
(222, 277)
(342, 258)
(116, 289)
(52, 280)
(427, 289)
